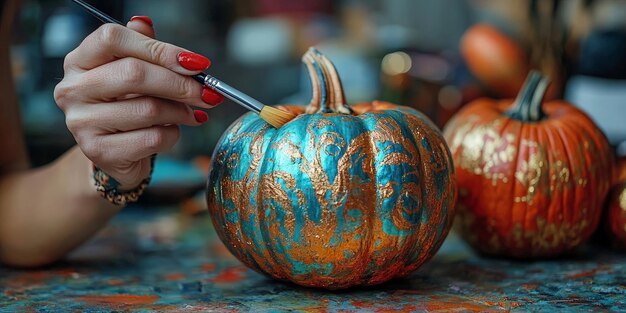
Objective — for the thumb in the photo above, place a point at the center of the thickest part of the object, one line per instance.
(142, 24)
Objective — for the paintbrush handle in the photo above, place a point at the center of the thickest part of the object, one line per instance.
(97, 13)
(230, 92)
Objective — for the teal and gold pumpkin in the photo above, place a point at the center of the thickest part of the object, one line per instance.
(338, 196)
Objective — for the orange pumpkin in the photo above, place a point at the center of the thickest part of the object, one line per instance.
(532, 176)
(616, 211)
(495, 59)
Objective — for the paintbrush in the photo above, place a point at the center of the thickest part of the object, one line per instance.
(275, 117)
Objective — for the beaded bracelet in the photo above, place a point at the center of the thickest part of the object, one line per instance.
(106, 186)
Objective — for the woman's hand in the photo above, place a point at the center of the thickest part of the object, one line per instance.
(124, 95)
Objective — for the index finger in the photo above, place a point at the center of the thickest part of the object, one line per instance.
(111, 42)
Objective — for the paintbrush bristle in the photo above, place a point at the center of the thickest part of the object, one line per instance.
(276, 117)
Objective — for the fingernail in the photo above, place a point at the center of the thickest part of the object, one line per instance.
(193, 61)
(201, 116)
(211, 96)
(143, 18)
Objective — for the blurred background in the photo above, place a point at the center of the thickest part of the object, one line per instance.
(404, 51)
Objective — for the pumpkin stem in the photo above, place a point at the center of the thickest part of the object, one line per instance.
(328, 93)
(528, 104)
(318, 101)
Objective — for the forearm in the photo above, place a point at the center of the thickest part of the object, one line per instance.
(46, 212)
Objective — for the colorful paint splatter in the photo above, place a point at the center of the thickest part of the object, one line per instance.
(159, 260)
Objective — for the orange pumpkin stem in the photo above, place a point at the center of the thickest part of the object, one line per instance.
(528, 105)
(328, 96)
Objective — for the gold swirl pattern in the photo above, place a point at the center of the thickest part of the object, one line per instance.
(338, 196)
(332, 200)
(528, 189)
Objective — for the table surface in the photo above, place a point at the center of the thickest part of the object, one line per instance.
(161, 260)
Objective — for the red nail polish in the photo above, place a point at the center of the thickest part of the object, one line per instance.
(211, 96)
(143, 18)
(193, 61)
(201, 116)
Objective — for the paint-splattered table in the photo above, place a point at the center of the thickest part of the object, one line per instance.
(160, 260)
